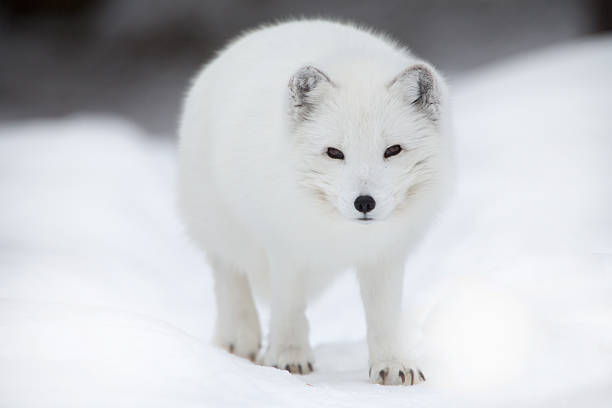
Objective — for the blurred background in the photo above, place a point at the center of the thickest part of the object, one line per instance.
(135, 58)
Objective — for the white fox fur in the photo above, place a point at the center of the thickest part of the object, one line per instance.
(275, 213)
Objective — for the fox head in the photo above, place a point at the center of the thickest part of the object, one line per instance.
(366, 149)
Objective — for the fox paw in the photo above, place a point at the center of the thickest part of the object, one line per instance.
(243, 343)
(296, 360)
(395, 373)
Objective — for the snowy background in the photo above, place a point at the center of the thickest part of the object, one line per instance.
(104, 302)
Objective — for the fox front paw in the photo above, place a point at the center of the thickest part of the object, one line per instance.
(395, 373)
(242, 341)
(239, 348)
(296, 360)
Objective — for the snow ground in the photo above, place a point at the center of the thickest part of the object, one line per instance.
(104, 302)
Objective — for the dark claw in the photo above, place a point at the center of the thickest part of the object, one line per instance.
(421, 376)
(370, 373)
(300, 368)
(288, 368)
(310, 367)
(231, 348)
(411, 376)
(252, 357)
(383, 374)
(402, 376)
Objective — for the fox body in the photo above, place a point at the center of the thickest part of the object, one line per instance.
(308, 148)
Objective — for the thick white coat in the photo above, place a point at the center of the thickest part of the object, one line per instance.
(259, 195)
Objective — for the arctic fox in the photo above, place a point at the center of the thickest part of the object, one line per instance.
(309, 148)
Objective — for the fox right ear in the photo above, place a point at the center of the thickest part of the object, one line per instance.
(306, 88)
(419, 87)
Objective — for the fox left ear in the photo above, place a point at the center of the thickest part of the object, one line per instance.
(306, 89)
(419, 87)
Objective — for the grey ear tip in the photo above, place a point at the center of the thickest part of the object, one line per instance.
(420, 66)
(307, 69)
(306, 78)
(310, 71)
(422, 72)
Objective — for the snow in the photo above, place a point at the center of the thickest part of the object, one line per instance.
(104, 302)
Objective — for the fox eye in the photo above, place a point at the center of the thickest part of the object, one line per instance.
(335, 153)
(392, 150)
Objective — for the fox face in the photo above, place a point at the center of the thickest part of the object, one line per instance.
(365, 151)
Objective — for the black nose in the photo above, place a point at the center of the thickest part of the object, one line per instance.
(365, 203)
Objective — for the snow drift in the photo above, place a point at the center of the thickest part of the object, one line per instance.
(104, 302)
